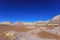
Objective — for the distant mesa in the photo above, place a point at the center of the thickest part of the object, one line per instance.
(54, 20)
(6, 23)
(18, 23)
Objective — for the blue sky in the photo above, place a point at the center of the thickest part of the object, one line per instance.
(28, 10)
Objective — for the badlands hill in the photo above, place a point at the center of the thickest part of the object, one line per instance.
(40, 30)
